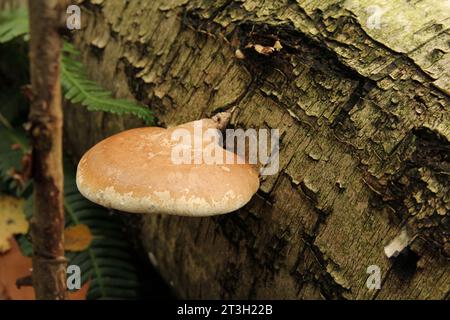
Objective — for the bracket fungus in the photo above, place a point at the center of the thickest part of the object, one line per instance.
(149, 170)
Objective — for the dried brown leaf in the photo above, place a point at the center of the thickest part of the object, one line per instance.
(77, 238)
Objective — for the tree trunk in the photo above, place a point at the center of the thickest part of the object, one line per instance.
(360, 94)
(46, 119)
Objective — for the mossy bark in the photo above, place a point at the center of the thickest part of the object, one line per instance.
(363, 112)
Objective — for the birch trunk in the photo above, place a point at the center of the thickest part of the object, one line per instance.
(360, 93)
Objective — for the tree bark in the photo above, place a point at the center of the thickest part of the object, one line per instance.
(46, 119)
(363, 112)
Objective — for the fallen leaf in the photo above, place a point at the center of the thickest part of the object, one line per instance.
(79, 294)
(12, 220)
(77, 238)
(3, 293)
(14, 265)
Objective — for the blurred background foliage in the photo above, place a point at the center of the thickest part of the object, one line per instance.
(109, 261)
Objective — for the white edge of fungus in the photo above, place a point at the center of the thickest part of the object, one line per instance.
(162, 202)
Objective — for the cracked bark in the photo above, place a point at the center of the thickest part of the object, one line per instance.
(364, 119)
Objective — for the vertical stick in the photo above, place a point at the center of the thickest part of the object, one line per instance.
(47, 226)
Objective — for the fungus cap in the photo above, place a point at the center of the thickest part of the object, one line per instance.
(132, 171)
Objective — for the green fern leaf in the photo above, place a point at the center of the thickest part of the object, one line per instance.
(107, 263)
(76, 85)
(13, 24)
(79, 89)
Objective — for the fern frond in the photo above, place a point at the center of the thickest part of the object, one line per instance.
(79, 89)
(13, 24)
(76, 85)
(107, 263)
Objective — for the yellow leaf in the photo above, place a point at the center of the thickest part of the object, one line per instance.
(12, 220)
(77, 238)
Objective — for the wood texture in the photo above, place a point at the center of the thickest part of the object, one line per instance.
(365, 123)
(46, 120)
